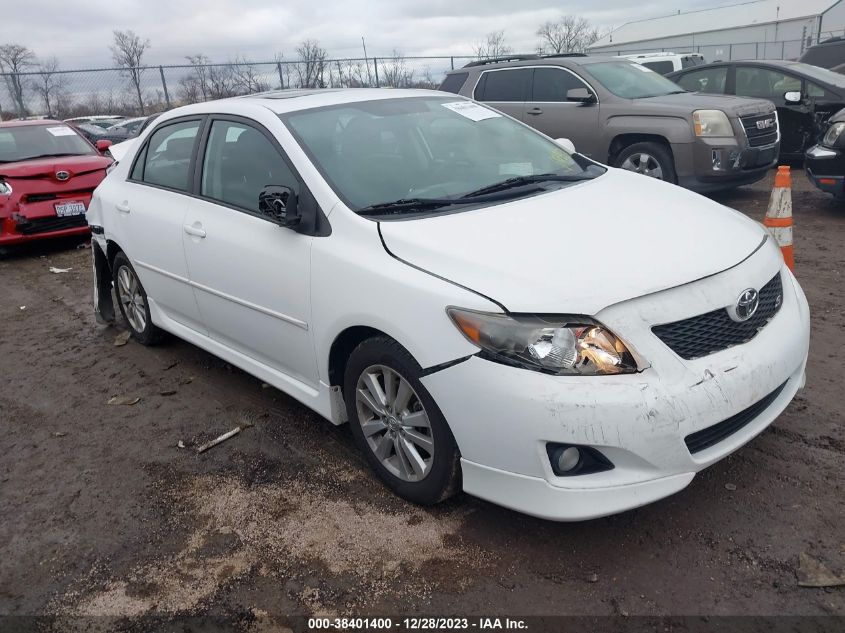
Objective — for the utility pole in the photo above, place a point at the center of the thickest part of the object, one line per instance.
(366, 62)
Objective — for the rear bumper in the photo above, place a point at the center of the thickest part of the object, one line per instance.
(825, 168)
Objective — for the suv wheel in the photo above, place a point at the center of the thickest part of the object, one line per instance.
(397, 424)
(649, 159)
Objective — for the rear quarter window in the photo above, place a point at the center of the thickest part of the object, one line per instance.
(663, 67)
(454, 82)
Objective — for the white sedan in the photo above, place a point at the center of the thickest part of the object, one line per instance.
(488, 310)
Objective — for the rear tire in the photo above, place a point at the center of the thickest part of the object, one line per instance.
(648, 158)
(133, 302)
(398, 425)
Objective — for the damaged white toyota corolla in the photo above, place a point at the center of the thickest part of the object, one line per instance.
(487, 310)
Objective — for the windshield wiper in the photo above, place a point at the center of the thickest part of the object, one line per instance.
(409, 204)
(51, 155)
(521, 181)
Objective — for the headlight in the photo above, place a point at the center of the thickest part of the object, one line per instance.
(555, 345)
(712, 123)
(5, 188)
(832, 135)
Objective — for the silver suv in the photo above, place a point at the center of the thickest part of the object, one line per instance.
(623, 114)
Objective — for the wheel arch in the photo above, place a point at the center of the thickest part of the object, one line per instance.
(621, 141)
(342, 346)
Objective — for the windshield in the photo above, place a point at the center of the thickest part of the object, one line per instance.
(820, 74)
(631, 81)
(377, 152)
(31, 141)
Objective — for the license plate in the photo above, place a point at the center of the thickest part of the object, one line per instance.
(66, 209)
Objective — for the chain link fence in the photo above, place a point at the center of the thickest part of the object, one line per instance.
(145, 90)
(149, 89)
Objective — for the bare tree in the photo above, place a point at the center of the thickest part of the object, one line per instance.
(199, 74)
(394, 72)
(247, 79)
(493, 46)
(128, 53)
(312, 64)
(49, 85)
(14, 60)
(570, 34)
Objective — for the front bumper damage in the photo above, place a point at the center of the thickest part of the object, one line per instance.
(503, 417)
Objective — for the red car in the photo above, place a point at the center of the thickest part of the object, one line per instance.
(47, 174)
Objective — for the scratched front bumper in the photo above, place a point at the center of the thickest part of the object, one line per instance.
(502, 417)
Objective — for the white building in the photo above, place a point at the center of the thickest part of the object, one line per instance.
(760, 29)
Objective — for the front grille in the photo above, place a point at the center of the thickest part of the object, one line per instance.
(45, 225)
(712, 435)
(715, 331)
(759, 137)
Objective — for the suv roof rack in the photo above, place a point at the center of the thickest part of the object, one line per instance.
(564, 55)
(496, 60)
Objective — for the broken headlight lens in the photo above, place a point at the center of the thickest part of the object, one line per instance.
(831, 137)
(712, 123)
(555, 345)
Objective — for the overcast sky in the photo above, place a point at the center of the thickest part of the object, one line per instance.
(78, 32)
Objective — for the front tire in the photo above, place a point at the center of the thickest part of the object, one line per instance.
(133, 302)
(649, 159)
(397, 424)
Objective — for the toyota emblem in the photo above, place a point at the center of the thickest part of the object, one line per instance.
(62, 175)
(746, 305)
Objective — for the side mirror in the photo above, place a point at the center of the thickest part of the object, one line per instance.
(278, 204)
(793, 96)
(580, 95)
(566, 144)
(102, 145)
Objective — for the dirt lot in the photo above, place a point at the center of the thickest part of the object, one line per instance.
(102, 513)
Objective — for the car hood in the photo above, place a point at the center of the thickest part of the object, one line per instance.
(41, 167)
(731, 105)
(581, 248)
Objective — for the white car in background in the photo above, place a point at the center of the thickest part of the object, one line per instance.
(666, 62)
(486, 309)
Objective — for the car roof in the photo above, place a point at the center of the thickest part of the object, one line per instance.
(31, 122)
(284, 101)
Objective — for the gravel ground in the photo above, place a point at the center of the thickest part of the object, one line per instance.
(101, 514)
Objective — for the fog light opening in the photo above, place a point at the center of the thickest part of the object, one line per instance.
(568, 460)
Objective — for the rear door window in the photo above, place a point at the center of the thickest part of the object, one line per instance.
(504, 85)
(167, 158)
(552, 84)
(709, 80)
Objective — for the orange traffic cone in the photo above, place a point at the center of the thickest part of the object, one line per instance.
(779, 216)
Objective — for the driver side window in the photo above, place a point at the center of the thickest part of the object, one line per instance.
(239, 162)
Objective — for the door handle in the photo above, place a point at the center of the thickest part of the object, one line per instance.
(535, 111)
(123, 207)
(194, 229)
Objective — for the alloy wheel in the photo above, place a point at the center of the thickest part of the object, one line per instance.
(645, 164)
(131, 298)
(394, 422)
